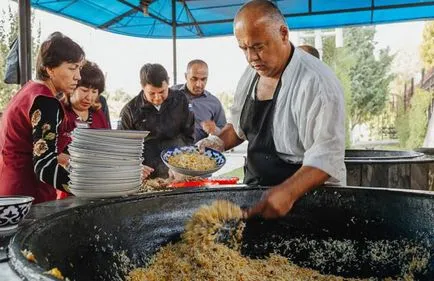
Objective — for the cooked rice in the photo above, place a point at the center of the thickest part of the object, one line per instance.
(192, 161)
(29, 255)
(154, 185)
(198, 257)
(55, 272)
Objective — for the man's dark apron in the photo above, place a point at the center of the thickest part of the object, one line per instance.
(263, 166)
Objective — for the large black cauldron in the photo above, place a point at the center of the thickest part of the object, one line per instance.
(390, 169)
(354, 232)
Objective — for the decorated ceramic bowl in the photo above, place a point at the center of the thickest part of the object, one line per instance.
(12, 210)
(215, 155)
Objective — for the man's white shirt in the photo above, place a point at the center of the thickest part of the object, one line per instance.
(309, 117)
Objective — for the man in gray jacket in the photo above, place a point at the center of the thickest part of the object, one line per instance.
(208, 111)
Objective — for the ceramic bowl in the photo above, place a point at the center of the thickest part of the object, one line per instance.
(217, 156)
(13, 209)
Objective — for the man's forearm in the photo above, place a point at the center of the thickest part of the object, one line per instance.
(229, 136)
(278, 201)
(304, 180)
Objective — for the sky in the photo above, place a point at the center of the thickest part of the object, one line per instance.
(121, 57)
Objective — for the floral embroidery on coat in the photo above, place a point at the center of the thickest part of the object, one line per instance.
(36, 117)
(40, 147)
(50, 136)
(46, 127)
(45, 116)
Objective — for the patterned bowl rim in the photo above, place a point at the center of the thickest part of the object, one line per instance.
(192, 146)
(16, 200)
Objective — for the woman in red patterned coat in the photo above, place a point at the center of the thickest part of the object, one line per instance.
(31, 123)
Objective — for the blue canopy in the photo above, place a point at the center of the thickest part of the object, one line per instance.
(208, 18)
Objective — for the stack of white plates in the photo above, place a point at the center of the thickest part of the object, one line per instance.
(105, 163)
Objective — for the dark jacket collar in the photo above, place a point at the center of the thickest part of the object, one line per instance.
(143, 103)
(185, 89)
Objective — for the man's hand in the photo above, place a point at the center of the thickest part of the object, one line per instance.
(211, 141)
(278, 201)
(174, 176)
(63, 160)
(209, 127)
(146, 171)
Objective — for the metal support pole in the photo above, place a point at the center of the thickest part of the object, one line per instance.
(318, 42)
(25, 40)
(174, 39)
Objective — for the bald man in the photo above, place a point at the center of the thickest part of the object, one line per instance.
(208, 111)
(289, 106)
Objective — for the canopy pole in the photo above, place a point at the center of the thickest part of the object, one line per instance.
(25, 39)
(174, 39)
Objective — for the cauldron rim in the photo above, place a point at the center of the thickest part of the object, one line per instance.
(407, 156)
(25, 268)
(426, 150)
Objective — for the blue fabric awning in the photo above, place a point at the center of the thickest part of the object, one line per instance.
(208, 18)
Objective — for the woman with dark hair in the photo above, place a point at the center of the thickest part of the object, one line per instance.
(31, 123)
(82, 107)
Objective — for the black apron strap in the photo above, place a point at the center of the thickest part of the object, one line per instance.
(263, 165)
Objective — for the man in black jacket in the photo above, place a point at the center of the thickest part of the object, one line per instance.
(162, 111)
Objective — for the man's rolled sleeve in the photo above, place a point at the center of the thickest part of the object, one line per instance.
(325, 138)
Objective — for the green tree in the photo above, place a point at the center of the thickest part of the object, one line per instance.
(370, 75)
(8, 33)
(226, 99)
(116, 101)
(364, 76)
(340, 60)
(412, 125)
(119, 95)
(427, 47)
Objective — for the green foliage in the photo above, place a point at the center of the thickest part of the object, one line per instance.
(342, 63)
(119, 95)
(370, 77)
(227, 99)
(329, 55)
(402, 127)
(427, 47)
(340, 60)
(116, 101)
(412, 125)
(8, 32)
(365, 78)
